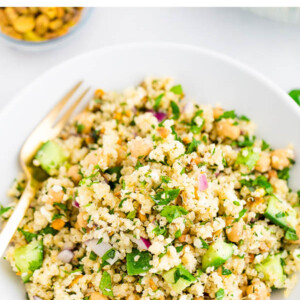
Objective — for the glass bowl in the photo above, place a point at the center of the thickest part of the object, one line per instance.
(48, 44)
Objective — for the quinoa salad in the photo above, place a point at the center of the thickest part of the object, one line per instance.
(147, 196)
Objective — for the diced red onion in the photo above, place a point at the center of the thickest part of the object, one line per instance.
(99, 249)
(65, 256)
(76, 204)
(37, 298)
(202, 182)
(159, 115)
(144, 244)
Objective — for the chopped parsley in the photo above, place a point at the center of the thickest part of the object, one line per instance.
(284, 174)
(230, 114)
(166, 196)
(159, 231)
(3, 209)
(138, 262)
(157, 102)
(29, 236)
(247, 157)
(172, 212)
(204, 244)
(177, 89)
(193, 146)
(260, 181)
(295, 94)
(175, 110)
(220, 294)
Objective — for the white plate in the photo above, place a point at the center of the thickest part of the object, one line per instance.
(205, 75)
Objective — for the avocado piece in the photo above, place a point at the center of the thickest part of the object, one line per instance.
(179, 278)
(29, 258)
(281, 213)
(272, 270)
(217, 254)
(51, 156)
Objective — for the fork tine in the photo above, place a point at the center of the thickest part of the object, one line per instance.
(61, 123)
(52, 115)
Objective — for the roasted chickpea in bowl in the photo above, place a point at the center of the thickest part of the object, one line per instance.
(32, 26)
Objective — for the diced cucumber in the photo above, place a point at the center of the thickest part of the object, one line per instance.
(29, 258)
(138, 262)
(179, 278)
(51, 156)
(272, 270)
(281, 213)
(217, 254)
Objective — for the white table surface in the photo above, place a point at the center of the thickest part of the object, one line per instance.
(271, 47)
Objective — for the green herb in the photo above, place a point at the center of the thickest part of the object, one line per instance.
(28, 235)
(122, 201)
(115, 170)
(159, 231)
(260, 181)
(195, 128)
(79, 127)
(284, 174)
(179, 249)
(3, 209)
(242, 212)
(175, 110)
(295, 94)
(178, 233)
(264, 145)
(182, 272)
(110, 254)
(246, 142)
(247, 157)
(157, 102)
(57, 216)
(220, 294)
(204, 244)
(138, 262)
(100, 241)
(182, 171)
(93, 256)
(177, 89)
(193, 146)
(60, 205)
(172, 212)
(230, 114)
(138, 165)
(165, 179)
(244, 118)
(237, 203)
(166, 196)
(131, 215)
(106, 285)
(177, 138)
(225, 271)
(48, 230)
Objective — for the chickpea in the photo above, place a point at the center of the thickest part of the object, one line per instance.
(73, 172)
(263, 163)
(140, 147)
(51, 12)
(258, 289)
(142, 217)
(85, 119)
(93, 157)
(42, 24)
(97, 296)
(8, 30)
(153, 285)
(3, 18)
(58, 224)
(11, 14)
(235, 232)
(226, 129)
(55, 196)
(182, 238)
(82, 219)
(55, 24)
(198, 298)
(24, 24)
(280, 158)
(132, 297)
(163, 132)
(218, 112)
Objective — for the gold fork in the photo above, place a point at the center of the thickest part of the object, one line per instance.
(47, 129)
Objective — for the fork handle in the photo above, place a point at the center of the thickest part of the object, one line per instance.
(16, 218)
